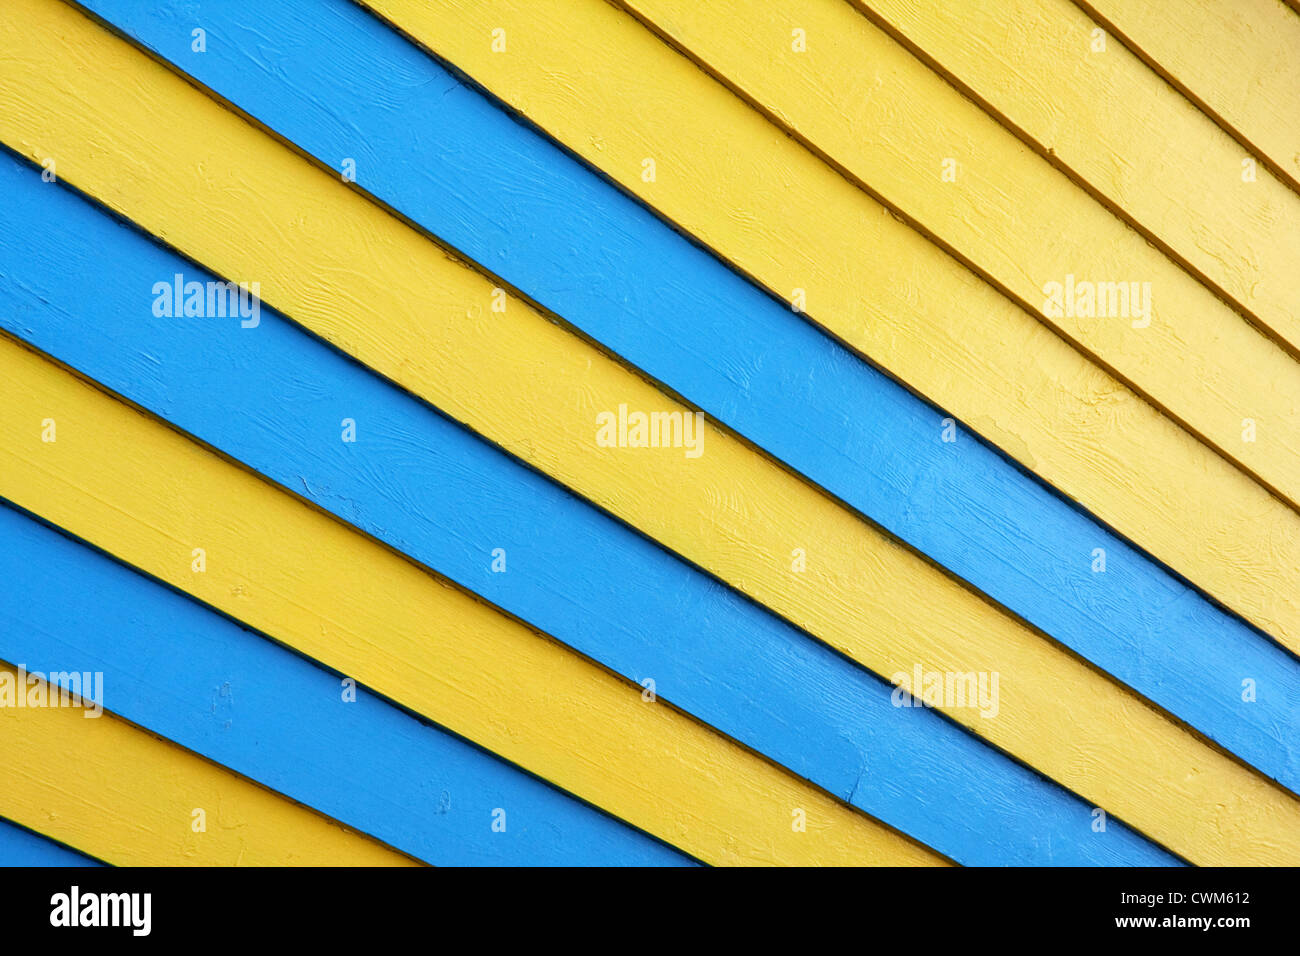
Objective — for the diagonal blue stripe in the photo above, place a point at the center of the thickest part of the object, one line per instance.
(338, 83)
(21, 847)
(197, 678)
(77, 284)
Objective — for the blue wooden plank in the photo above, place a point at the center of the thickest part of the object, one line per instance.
(21, 847)
(339, 84)
(197, 678)
(273, 397)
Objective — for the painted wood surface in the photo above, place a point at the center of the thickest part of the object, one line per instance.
(22, 847)
(791, 223)
(282, 567)
(1184, 811)
(889, 127)
(552, 212)
(1097, 110)
(1236, 59)
(660, 299)
(124, 795)
(243, 702)
(719, 657)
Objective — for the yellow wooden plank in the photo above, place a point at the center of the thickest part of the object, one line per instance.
(1239, 60)
(141, 491)
(727, 176)
(129, 798)
(854, 94)
(1121, 128)
(250, 208)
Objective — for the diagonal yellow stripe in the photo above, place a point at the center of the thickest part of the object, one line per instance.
(730, 178)
(233, 198)
(1240, 58)
(127, 797)
(1120, 127)
(892, 124)
(139, 490)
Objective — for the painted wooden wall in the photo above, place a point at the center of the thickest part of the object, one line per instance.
(969, 334)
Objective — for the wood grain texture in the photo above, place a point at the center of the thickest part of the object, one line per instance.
(191, 676)
(118, 793)
(431, 490)
(1239, 60)
(730, 178)
(858, 98)
(672, 310)
(1121, 129)
(1061, 716)
(137, 489)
